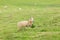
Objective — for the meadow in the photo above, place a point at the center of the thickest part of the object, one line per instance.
(46, 14)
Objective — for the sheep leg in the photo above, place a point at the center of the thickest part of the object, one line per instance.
(19, 29)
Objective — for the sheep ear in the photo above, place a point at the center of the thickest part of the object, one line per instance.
(31, 19)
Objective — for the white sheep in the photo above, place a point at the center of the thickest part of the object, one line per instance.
(22, 24)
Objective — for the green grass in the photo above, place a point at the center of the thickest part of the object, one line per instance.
(46, 15)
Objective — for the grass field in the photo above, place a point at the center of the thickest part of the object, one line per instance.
(46, 15)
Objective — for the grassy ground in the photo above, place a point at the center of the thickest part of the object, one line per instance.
(46, 15)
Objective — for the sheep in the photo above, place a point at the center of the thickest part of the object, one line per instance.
(23, 24)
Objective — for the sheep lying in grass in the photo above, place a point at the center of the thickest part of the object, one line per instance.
(22, 24)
